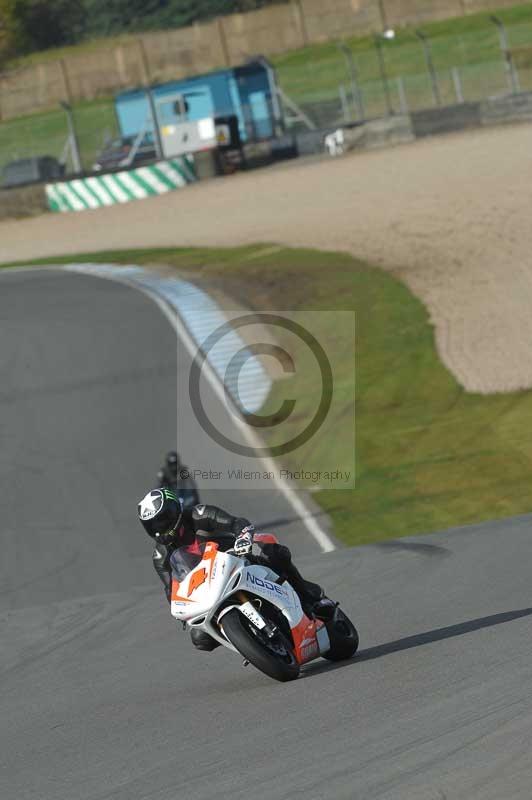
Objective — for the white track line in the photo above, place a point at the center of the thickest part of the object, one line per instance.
(319, 535)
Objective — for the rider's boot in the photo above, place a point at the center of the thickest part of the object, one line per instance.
(324, 609)
(311, 595)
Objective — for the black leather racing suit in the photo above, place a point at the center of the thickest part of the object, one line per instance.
(220, 526)
(181, 482)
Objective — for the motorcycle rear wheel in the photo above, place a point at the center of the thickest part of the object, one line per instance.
(343, 637)
(273, 657)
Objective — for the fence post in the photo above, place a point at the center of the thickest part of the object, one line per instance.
(72, 138)
(66, 81)
(430, 66)
(144, 63)
(121, 65)
(353, 76)
(457, 81)
(343, 101)
(513, 78)
(403, 101)
(300, 13)
(223, 41)
(384, 75)
(151, 101)
(383, 15)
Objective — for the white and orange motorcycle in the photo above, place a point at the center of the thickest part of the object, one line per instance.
(249, 609)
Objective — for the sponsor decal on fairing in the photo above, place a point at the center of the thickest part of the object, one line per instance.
(254, 580)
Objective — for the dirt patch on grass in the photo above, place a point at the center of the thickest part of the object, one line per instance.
(450, 215)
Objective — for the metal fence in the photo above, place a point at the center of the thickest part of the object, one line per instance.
(408, 73)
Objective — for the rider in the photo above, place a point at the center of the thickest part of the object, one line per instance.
(171, 526)
(176, 475)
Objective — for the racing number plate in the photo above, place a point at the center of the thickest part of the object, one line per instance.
(253, 615)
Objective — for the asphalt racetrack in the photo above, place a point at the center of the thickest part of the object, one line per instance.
(102, 695)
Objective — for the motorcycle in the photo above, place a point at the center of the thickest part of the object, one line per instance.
(251, 610)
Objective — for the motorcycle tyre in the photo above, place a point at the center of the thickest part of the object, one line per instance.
(344, 644)
(236, 630)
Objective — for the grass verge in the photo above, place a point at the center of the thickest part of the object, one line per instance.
(429, 456)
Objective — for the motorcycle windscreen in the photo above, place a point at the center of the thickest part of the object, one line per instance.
(185, 559)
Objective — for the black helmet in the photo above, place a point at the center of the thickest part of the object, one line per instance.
(173, 462)
(160, 513)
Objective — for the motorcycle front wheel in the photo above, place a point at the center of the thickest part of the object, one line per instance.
(275, 657)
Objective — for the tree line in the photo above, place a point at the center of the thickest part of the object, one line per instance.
(31, 25)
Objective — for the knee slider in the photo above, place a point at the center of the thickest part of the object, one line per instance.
(202, 640)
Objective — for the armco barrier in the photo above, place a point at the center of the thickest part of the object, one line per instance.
(397, 129)
(445, 120)
(380, 133)
(510, 108)
(121, 187)
(371, 135)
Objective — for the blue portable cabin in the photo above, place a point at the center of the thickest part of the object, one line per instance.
(248, 92)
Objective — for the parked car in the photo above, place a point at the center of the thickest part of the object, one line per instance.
(126, 152)
(31, 170)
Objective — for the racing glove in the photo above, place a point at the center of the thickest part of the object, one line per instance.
(244, 541)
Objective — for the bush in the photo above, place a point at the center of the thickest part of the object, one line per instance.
(31, 25)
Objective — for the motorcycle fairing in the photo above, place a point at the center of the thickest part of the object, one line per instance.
(198, 596)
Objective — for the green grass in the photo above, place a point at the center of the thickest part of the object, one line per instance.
(429, 455)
